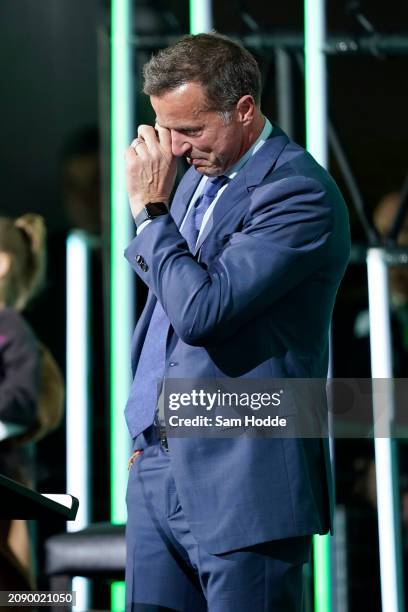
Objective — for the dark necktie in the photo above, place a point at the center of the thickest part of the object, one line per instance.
(195, 216)
(141, 405)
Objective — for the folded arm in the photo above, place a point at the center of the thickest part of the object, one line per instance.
(283, 240)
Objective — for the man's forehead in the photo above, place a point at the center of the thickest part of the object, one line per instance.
(182, 125)
(184, 106)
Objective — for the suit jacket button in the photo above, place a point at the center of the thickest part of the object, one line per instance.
(173, 363)
(141, 263)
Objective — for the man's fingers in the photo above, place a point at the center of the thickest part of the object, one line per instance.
(150, 169)
(130, 155)
(140, 148)
(157, 139)
(137, 142)
(164, 137)
(147, 133)
(153, 144)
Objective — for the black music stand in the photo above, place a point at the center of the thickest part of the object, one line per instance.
(20, 502)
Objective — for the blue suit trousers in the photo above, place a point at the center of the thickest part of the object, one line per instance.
(168, 570)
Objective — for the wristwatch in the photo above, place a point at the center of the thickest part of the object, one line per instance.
(150, 211)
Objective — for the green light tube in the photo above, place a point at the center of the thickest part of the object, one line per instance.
(321, 573)
(200, 16)
(121, 281)
(121, 304)
(316, 143)
(118, 597)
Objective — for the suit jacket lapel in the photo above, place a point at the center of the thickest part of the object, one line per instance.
(249, 177)
(265, 159)
(229, 198)
(183, 195)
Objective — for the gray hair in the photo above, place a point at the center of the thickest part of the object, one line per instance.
(224, 68)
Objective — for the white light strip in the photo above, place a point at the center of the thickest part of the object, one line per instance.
(81, 588)
(77, 376)
(316, 143)
(77, 396)
(315, 80)
(201, 19)
(385, 464)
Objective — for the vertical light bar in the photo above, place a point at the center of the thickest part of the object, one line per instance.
(315, 81)
(118, 594)
(385, 461)
(316, 143)
(77, 395)
(77, 400)
(321, 573)
(201, 19)
(121, 281)
(121, 305)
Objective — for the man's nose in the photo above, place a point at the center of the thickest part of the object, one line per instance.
(179, 145)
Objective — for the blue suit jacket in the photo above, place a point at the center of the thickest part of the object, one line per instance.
(254, 301)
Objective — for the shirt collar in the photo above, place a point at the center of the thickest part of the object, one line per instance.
(264, 135)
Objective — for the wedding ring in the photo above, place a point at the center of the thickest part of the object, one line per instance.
(137, 142)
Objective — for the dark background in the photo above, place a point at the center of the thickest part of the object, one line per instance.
(50, 89)
(54, 75)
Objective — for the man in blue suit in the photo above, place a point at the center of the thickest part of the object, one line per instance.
(243, 268)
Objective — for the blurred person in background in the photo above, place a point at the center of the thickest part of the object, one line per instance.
(80, 181)
(31, 385)
(384, 216)
(81, 208)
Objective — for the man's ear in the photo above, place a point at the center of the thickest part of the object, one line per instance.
(5, 264)
(246, 108)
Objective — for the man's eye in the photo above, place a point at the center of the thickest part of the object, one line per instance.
(191, 132)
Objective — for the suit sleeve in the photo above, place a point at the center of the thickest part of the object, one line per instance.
(20, 365)
(284, 239)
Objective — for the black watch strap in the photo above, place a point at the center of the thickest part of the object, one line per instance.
(150, 211)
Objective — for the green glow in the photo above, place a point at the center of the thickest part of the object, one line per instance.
(321, 572)
(117, 596)
(121, 317)
(121, 229)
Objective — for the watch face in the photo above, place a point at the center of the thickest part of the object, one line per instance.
(155, 209)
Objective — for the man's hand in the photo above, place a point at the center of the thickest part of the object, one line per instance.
(150, 167)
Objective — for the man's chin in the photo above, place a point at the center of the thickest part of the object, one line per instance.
(197, 161)
(203, 167)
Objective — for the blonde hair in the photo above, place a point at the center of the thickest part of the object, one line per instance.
(24, 240)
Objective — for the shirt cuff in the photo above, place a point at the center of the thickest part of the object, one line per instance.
(142, 226)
